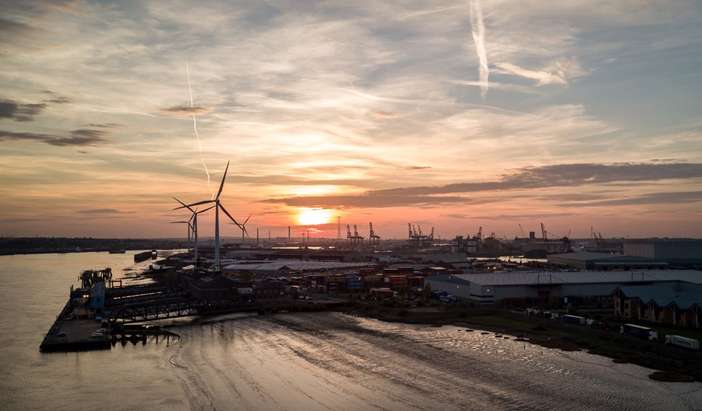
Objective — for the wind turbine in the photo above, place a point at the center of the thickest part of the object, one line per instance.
(217, 206)
(192, 225)
(242, 227)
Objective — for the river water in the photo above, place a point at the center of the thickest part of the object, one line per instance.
(312, 361)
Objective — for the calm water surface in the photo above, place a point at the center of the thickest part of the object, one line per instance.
(314, 361)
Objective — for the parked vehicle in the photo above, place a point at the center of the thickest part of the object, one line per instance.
(535, 312)
(448, 299)
(573, 319)
(639, 331)
(684, 342)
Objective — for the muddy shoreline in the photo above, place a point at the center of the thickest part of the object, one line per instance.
(670, 364)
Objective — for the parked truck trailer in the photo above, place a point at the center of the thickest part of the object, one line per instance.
(684, 342)
(573, 319)
(639, 331)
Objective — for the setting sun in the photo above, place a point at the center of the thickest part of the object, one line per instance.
(313, 216)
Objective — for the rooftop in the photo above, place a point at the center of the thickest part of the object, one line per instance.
(574, 277)
(664, 240)
(591, 256)
(682, 295)
(294, 265)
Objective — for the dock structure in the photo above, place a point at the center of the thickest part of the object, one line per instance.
(69, 333)
(97, 314)
(176, 309)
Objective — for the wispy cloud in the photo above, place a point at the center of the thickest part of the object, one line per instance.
(369, 201)
(559, 72)
(665, 197)
(55, 98)
(104, 125)
(103, 211)
(194, 114)
(186, 111)
(560, 175)
(510, 217)
(19, 111)
(78, 137)
(497, 85)
(478, 32)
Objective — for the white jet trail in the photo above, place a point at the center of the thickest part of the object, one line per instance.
(478, 31)
(197, 135)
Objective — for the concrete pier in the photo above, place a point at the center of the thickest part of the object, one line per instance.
(73, 334)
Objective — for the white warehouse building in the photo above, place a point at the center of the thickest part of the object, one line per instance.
(498, 287)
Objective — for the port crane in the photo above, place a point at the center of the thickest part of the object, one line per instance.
(544, 233)
(358, 237)
(354, 238)
(373, 238)
(417, 237)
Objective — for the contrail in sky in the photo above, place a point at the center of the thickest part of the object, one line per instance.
(197, 136)
(478, 30)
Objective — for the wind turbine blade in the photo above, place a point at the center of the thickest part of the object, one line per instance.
(207, 209)
(179, 222)
(247, 219)
(224, 177)
(195, 204)
(228, 215)
(183, 204)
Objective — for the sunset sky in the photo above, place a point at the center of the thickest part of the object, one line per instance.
(453, 114)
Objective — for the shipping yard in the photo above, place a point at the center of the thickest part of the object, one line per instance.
(574, 300)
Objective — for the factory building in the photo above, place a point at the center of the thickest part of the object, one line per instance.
(210, 288)
(678, 304)
(603, 261)
(283, 267)
(671, 250)
(588, 287)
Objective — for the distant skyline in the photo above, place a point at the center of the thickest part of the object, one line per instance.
(452, 114)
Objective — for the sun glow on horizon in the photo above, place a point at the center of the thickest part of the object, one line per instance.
(313, 216)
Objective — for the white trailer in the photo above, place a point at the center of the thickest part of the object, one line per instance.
(574, 319)
(684, 342)
(639, 331)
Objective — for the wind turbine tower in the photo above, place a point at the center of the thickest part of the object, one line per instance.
(193, 226)
(217, 206)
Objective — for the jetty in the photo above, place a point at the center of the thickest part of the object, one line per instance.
(103, 311)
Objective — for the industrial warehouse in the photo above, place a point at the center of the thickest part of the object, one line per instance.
(523, 288)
